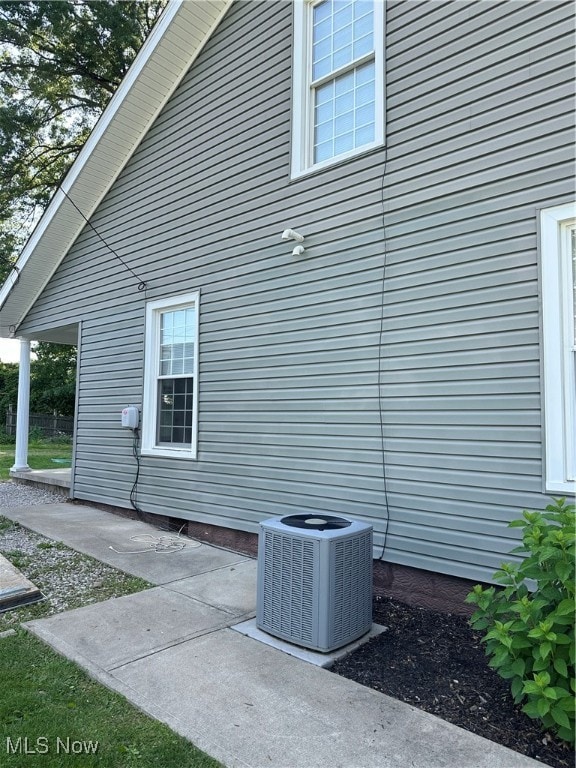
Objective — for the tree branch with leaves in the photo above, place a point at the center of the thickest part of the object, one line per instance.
(60, 63)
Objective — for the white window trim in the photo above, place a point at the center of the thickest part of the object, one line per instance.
(302, 107)
(151, 358)
(558, 365)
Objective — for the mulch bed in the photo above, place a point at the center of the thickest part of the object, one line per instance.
(436, 662)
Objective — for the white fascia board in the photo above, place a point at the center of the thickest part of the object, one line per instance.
(95, 136)
(81, 175)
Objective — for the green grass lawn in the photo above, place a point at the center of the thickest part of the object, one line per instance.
(53, 714)
(40, 455)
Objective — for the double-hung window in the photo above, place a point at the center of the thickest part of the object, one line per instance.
(169, 419)
(558, 274)
(338, 89)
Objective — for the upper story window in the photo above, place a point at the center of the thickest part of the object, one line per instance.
(338, 89)
(170, 410)
(558, 272)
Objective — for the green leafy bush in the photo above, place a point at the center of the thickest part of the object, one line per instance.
(7, 439)
(530, 622)
(35, 436)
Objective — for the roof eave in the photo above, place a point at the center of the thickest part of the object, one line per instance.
(148, 85)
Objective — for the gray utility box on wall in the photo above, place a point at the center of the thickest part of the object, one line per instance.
(315, 580)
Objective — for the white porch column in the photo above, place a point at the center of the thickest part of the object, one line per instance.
(23, 413)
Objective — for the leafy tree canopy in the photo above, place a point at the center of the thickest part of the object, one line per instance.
(60, 62)
(53, 379)
(8, 388)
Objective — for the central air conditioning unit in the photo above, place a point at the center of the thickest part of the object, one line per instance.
(314, 584)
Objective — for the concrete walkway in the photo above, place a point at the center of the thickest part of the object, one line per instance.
(171, 650)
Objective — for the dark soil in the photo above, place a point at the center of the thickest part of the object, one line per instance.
(435, 662)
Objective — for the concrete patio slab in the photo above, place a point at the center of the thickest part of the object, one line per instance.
(232, 588)
(107, 537)
(158, 567)
(325, 660)
(126, 628)
(259, 707)
(57, 480)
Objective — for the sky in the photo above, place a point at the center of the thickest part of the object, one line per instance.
(9, 350)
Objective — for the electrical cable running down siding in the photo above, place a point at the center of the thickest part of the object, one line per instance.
(141, 283)
(380, 353)
(134, 490)
(382, 303)
(145, 517)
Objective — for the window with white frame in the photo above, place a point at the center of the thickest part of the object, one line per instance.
(170, 409)
(558, 271)
(338, 89)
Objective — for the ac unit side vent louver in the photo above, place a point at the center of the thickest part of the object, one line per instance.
(315, 586)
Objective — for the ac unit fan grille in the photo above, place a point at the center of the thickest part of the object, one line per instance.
(288, 605)
(351, 581)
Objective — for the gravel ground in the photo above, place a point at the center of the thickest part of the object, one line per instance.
(15, 495)
(66, 578)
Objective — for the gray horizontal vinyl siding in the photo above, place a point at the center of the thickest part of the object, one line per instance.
(480, 129)
(419, 284)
